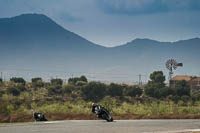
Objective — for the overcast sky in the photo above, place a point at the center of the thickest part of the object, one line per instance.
(115, 22)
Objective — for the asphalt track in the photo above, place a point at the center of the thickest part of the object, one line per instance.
(99, 126)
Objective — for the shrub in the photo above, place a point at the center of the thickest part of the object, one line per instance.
(37, 82)
(76, 79)
(14, 91)
(115, 90)
(68, 89)
(36, 79)
(21, 88)
(94, 91)
(81, 83)
(108, 102)
(133, 91)
(185, 99)
(18, 80)
(54, 90)
(56, 82)
(182, 88)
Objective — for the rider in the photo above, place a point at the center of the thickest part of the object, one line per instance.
(95, 109)
(99, 111)
(39, 116)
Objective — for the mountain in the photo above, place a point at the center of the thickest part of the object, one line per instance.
(32, 40)
(34, 45)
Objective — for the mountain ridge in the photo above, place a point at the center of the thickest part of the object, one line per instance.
(37, 42)
(42, 16)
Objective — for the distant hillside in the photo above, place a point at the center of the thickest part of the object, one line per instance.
(35, 44)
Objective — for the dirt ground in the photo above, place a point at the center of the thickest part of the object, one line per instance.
(61, 116)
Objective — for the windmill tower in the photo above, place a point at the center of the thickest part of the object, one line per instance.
(172, 65)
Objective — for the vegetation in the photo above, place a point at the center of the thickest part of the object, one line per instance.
(18, 80)
(37, 82)
(77, 80)
(75, 97)
(56, 82)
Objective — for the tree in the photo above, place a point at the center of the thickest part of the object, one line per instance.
(94, 91)
(156, 85)
(18, 80)
(115, 89)
(83, 78)
(158, 77)
(57, 82)
(1, 80)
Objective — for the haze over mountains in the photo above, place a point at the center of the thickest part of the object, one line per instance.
(34, 45)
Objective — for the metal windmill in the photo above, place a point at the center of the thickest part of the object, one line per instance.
(172, 65)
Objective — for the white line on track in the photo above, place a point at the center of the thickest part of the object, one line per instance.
(49, 122)
(176, 131)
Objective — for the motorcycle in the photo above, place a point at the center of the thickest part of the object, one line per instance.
(39, 117)
(101, 112)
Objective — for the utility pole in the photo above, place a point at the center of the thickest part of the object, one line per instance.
(2, 75)
(140, 80)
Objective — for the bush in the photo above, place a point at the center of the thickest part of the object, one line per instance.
(81, 83)
(18, 80)
(68, 89)
(133, 91)
(21, 88)
(56, 82)
(14, 91)
(76, 79)
(1, 80)
(182, 88)
(94, 91)
(195, 96)
(37, 82)
(152, 90)
(166, 91)
(36, 79)
(115, 90)
(54, 90)
(108, 102)
(185, 99)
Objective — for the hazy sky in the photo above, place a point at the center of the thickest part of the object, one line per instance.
(115, 22)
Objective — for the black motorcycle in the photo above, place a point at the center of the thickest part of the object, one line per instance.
(103, 113)
(39, 117)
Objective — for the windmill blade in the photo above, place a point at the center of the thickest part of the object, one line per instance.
(179, 64)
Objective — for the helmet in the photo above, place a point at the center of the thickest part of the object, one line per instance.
(94, 104)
